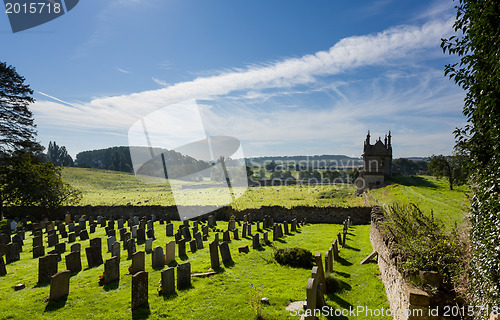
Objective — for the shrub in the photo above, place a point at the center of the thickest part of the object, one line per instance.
(422, 242)
(332, 284)
(294, 257)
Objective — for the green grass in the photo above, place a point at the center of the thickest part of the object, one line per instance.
(102, 187)
(429, 193)
(223, 296)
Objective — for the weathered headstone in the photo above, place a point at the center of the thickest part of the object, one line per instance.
(321, 272)
(71, 237)
(133, 230)
(335, 247)
(235, 234)
(151, 233)
(225, 236)
(61, 247)
(225, 252)
(339, 237)
(167, 281)
(148, 247)
(182, 247)
(255, 241)
(139, 289)
(130, 248)
(53, 239)
(12, 252)
(47, 267)
(94, 256)
(266, 237)
(141, 235)
(183, 276)
(138, 262)
(158, 259)
(84, 235)
(199, 240)
(312, 295)
(243, 249)
(76, 247)
(37, 241)
(73, 261)
(111, 270)
(59, 285)
(192, 246)
(115, 250)
(285, 226)
(169, 229)
(211, 221)
(170, 252)
(214, 255)
(244, 231)
(110, 242)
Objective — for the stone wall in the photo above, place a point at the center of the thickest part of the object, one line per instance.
(407, 302)
(359, 215)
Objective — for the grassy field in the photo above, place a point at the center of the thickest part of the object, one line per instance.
(101, 187)
(429, 193)
(223, 296)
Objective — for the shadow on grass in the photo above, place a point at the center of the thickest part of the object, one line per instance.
(112, 286)
(332, 314)
(342, 274)
(351, 248)
(343, 261)
(228, 264)
(56, 305)
(41, 285)
(413, 181)
(172, 264)
(184, 257)
(170, 296)
(280, 240)
(141, 313)
(338, 300)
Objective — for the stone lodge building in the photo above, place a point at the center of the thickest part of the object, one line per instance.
(377, 163)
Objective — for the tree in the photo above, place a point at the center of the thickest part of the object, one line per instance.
(59, 155)
(17, 129)
(451, 167)
(27, 181)
(477, 43)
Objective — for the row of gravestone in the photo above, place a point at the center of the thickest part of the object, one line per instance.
(316, 284)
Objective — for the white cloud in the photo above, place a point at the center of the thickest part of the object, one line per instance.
(122, 70)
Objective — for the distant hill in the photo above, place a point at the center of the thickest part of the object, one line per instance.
(315, 161)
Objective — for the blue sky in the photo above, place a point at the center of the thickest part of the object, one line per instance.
(284, 77)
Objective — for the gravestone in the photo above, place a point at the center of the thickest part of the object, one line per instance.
(37, 241)
(110, 242)
(111, 233)
(211, 221)
(53, 239)
(38, 251)
(12, 252)
(76, 247)
(330, 258)
(96, 242)
(321, 272)
(214, 255)
(243, 249)
(74, 261)
(94, 256)
(77, 231)
(167, 281)
(151, 233)
(71, 237)
(122, 233)
(258, 226)
(204, 230)
(17, 238)
(115, 250)
(120, 223)
(312, 294)
(199, 240)
(149, 245)
(130, 248)
(225, 236)
(244, 231)
(344, 237)
(3, 270)
(67, 218)
(225, 252)
(186, 234)
(92, 228)
(59, 285)
(231, 225)
(141, 235)
(178, 236)
(216, 237)
(61, 248)
(47, 267)
(192, 246)
(275, 233)
(136, 220)
(126, 237)
(111, 270)
(158, 259)
(339, 237)
(328, 268)
(255, 241)
(84, 235)
(183, 276)
(133, 230)
(235, 234)
(71, 227)
(249, 229)
(138, 262)
(64, 234)
(335, 250)
(182, 247)
(266, 237)
(139, 289)
(83, 224)
(285, 226)
(294, 225)
(170, 230)
(170, 252)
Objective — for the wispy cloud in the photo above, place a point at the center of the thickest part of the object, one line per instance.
(122, 70)
(160, 82)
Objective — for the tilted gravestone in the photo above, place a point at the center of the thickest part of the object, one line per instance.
(158, 259)
(183, 276)
(170, 252)
(214, 255)
(139, 289)
(138, 262)
(192, 246)
(167, 281)
(73, 261)
(59, 285)
(47, 267)
(182, 247)
(94, 256)
(225, 252)
(111, 270)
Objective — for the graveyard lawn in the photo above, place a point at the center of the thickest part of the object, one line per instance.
(429, 193)
(108, 188)
(226, 295)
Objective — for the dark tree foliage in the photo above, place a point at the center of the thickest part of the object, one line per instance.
(59, 155)
(408, 167)
(451, 167)
(17, 129)
(27, 181)
(477, 43)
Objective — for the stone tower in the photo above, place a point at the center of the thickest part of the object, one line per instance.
(377, 163)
